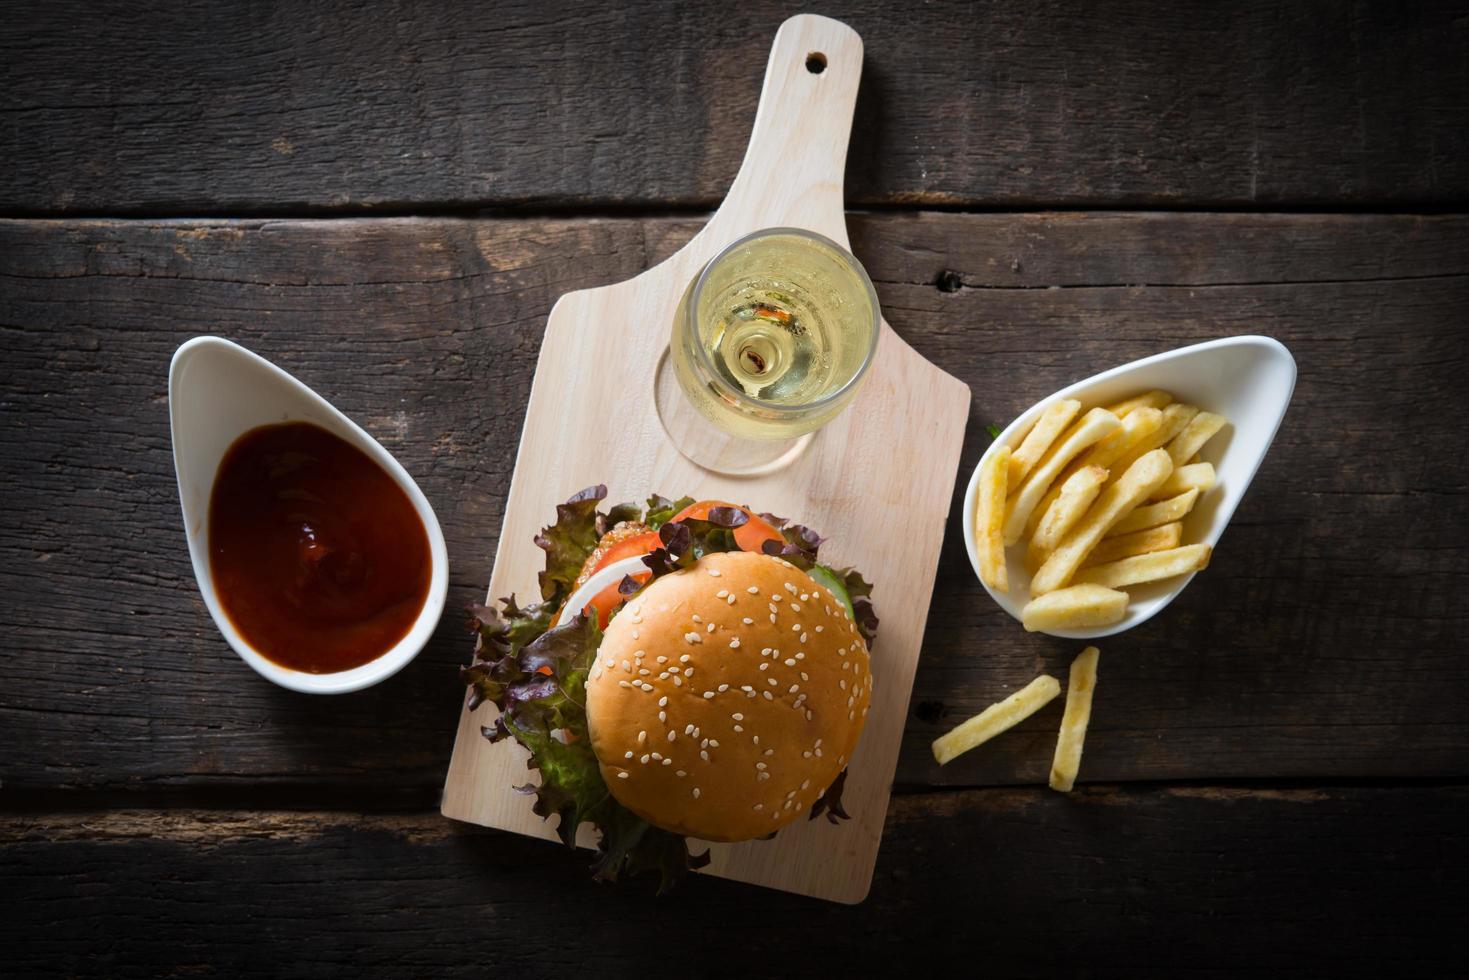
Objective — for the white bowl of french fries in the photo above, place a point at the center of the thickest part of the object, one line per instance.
(1097, 506)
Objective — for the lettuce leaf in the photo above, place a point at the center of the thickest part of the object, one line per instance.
(540, 688)
(569, 541)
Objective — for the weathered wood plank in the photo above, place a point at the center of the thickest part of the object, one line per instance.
(230, 108)
(1322, 642)
(1147, 882)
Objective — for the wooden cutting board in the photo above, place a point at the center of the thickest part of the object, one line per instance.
(877, 481)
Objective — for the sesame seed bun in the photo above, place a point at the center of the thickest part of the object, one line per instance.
(726, 697)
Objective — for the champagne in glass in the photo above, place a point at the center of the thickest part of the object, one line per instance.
(772, 339)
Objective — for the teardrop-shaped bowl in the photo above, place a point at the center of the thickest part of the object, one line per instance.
(1248, 380)
(218, 391)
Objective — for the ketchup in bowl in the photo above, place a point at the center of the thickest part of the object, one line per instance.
(318, 557)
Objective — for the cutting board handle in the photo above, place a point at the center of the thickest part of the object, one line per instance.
(793, 166)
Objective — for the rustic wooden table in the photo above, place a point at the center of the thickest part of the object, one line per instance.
(386, 201)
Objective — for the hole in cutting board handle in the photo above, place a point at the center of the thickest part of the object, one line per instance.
(816, 62)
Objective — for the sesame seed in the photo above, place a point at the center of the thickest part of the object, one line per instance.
(753, 590)
(714, 573)
(758, 806)
(818, 753)
(806, 755)
(803, 676)
(761, 766)
(820, 629)
(704, 754)
(737, 716)
(791, 588)
(662, 716)
(772, 617)
(668, 762)
(806, 784)
(776, 597)
(679, 773)
(692, 637)
(711, 627)
(704, 744)
(750, 692)
(748, 621)
(739, 728)
(627, 754)
(672, 736)
(809, 716)
(746, 687)
(688, 729)
(723, 688)
(790, 661)
(805, 596)
(626, 667)
(644, 672)
(714, 743)
(663, 660)
(795, 607)
(841, 760)
(794, 689)
(787, 805)
(851, 716)
(767, 751)
(773, 607)
(663, 701)
(642, 737)
(623, 684)
(708, 695)
(803, 637)
(697, 618)
(846, 664)
(596, 674)
(796, 628)
(864, 710)
(768, 695)
(842, 683)
(696, 792)
(771, 681)
(800, 655)
(757, 739)
(677, 681)
(622, 775)
(663, 676)
(765, 651)
(721, 593)
(763, 775)
(791, 794)
(648, 687)
(684, 659)
(643, 759)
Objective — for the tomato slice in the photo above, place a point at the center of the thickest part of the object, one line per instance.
(749, 536)
(609, 598)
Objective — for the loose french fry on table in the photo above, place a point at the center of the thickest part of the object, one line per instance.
(1094, 426)
(1200, 429)
(1078, 714)
(1151, 399)
(1072, 501)
(996, 718)
(1153, 515)
(1115, 503)
(989, 520)
(1048, 427)
(1139, 425)
(1074, 607)
(1147, 568)
(1192, 476)
(1137, 543)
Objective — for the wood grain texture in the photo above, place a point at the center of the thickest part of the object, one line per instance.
(1110, 883)
(886, 465)
(248, 108)
(1321, 643)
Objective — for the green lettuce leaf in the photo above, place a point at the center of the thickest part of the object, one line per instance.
(540, 689)
(661, 510)
(569, 541)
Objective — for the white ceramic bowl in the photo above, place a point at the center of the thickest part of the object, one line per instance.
(217, 391)
(1248, 380)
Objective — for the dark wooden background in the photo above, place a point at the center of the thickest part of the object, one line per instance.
(386, 199)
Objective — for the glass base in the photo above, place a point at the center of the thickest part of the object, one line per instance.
(704, 444)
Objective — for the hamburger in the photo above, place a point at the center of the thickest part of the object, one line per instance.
(691, 671)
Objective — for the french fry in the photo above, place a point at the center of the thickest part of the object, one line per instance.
(1147, 568)
(1072, 500)
(989, 520)
(1152, 399)
(997, 718)
(1079, 687)
(1175, 417)
(1139, 425)
(1136, 543)
(1094, 426)
(1191, 438)
(1143, 477)
(1172, 509)
(1048, 427)
(1075, 607)
(1194, 476)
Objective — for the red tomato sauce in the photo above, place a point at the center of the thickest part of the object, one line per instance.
(319, 558)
